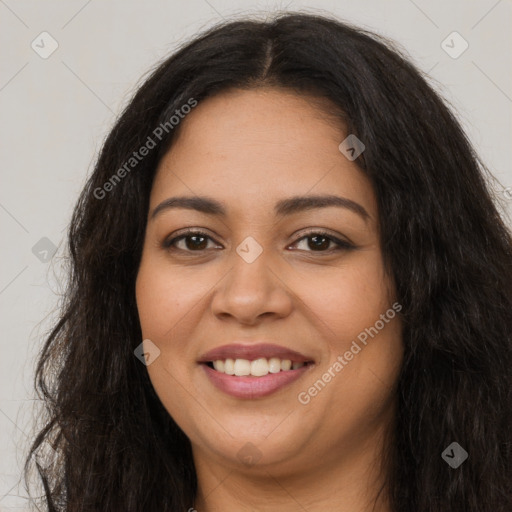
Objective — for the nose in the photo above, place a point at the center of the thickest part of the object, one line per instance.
(252, 291)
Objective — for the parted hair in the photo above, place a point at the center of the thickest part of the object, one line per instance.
(115, 447)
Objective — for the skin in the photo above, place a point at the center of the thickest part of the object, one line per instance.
(249, 149)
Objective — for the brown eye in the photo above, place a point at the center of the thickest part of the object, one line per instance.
(321, 242)
(194, 241)
(197, 241)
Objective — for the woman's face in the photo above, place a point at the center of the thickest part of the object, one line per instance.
(263, 283)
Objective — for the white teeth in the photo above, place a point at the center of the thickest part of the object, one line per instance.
(229, 367)
(286, 364)
(219, 365)
(274, 365)
(256, 368)
(242, 367)
(259, 367)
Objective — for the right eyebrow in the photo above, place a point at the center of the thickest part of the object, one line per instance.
(201, 204)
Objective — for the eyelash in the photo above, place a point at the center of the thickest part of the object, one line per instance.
(342, 245)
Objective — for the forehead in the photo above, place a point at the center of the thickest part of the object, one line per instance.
(251, 148)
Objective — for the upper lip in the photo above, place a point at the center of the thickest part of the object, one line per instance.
(253, 351)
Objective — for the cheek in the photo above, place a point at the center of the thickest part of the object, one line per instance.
(355, 314)
(171, 305)
(165, 303)
(349, 300)
(166, 297)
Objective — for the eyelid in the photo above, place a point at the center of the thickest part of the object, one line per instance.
(339, 242)
(181, 234)
(343, 241)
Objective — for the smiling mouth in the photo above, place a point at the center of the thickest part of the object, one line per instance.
(255, 368)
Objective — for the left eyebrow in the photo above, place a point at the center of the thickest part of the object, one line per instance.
(284, 207)
(302, 203)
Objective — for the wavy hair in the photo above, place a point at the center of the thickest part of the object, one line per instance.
(115, 447)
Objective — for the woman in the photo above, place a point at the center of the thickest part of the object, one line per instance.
(290, 290)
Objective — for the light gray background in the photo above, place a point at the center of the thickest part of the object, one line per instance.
(55, 113)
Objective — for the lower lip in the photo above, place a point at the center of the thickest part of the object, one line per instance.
(253, 387)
